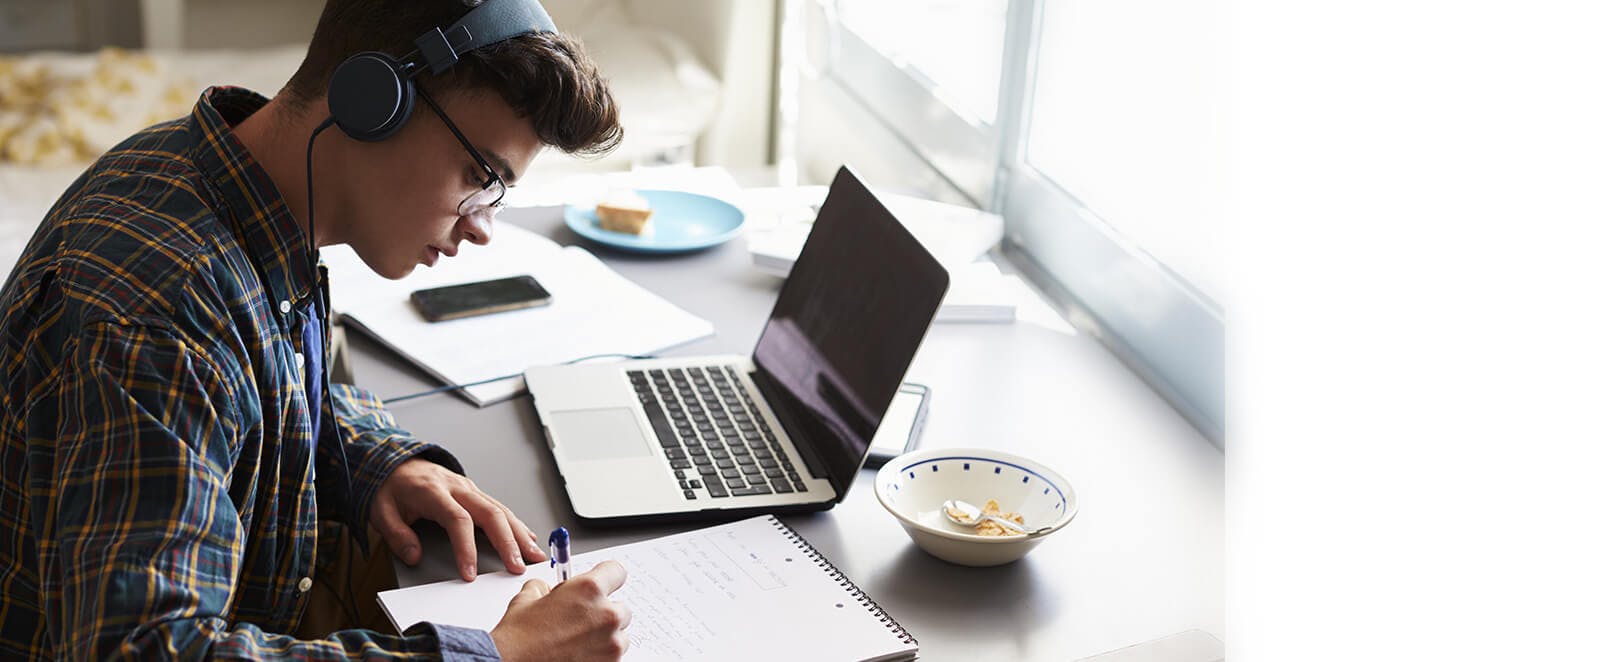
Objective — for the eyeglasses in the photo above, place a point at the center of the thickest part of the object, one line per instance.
(492, 189)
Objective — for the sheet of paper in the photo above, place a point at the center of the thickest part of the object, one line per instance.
(593, 310)
(780, 224)
(738, 590)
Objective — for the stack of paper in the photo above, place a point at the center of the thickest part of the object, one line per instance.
(780, 220)
(980, 293)
(593, 310)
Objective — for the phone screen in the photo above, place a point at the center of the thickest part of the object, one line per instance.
(480, 298)
(901, 426)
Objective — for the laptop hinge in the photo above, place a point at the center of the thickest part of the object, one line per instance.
(802, 444)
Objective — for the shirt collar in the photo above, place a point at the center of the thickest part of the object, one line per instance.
(249, 201)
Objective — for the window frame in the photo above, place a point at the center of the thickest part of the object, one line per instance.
(1168, 332)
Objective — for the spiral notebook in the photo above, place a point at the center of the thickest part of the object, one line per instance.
(752, 589)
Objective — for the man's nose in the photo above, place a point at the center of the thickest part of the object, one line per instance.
(477, 228)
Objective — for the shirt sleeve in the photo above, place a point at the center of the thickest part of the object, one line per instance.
(374, 444)
(140, 544)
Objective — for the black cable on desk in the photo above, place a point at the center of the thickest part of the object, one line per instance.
(491, 380)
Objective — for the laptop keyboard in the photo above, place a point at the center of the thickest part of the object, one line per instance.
(716, 441)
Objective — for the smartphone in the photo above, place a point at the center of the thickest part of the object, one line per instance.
(481, 298)
(901, 426)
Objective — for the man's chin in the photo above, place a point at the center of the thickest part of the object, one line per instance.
(401, 272)
(391, 269)
(394, 270)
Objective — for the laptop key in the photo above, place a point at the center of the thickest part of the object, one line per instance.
(694, 484)
(708, 470)
(675, 454)
(682, 483)
(799, 486)
(730, 473)
(750, 469)
(689, 494)
(752, 490)
(658, 422)
(735, 484)
(773, 472)
(717, 491)
(756, 479)
(681, 464)
(782, 486)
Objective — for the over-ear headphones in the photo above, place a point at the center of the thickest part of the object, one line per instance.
(371, 94)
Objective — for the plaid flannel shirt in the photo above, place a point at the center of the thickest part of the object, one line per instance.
(158, 490)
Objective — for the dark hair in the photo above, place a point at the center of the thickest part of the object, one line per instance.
(545, 77)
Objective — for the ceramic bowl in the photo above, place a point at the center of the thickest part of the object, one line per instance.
(914, 487)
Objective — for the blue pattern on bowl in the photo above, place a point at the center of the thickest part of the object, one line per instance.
(966, 465)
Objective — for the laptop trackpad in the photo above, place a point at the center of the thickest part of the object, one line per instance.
(600, 434)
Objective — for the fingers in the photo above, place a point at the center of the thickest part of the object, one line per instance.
(624, 615)
(457, 522)
(386, 517)
(607, 576)
(533, 589)
(496, 525)
(526, 540)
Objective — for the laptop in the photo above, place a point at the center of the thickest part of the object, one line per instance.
(783, 430)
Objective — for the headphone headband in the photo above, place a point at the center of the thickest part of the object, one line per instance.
(371, 94)
(492, 22)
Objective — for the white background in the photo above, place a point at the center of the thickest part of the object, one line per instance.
(1413, 472)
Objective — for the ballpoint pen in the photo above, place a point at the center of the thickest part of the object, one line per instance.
(561, 553)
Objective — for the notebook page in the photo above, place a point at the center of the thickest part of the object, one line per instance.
(593, 310)
(737, 590)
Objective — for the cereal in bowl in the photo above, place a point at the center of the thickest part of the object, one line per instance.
(990, 528)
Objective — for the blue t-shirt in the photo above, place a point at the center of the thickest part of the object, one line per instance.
(311, 340)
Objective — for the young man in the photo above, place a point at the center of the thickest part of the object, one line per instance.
(169, 467)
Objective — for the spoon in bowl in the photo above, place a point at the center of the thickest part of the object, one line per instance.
(968, 515)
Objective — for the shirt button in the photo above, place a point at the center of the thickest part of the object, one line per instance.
(283, 307)
(300, 360)
(305, 584)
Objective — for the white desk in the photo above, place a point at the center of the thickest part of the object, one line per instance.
(1142, 560)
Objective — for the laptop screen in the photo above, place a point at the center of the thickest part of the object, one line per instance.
(846, 324)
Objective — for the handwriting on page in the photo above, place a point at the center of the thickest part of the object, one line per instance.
(668, 589)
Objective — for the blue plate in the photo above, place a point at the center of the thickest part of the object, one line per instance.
(682, 222)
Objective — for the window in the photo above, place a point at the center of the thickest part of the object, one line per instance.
(1125, 118)
(1092, 126)
(953, 47)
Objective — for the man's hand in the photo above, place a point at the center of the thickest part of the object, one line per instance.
(576, 621)
(419, 488)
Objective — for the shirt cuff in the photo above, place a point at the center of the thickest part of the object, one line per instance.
(458, 643)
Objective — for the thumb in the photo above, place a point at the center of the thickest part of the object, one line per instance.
(400, 537)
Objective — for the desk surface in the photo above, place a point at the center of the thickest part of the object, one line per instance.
(1142, 560)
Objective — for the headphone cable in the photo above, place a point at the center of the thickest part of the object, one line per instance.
(319, 307)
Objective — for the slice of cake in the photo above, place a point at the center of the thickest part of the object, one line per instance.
(624, 211)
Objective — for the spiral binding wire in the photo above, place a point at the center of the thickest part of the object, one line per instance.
(849, 586)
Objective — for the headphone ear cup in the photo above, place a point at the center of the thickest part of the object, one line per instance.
(370, 96)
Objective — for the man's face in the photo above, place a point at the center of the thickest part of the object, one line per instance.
(403, 194)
